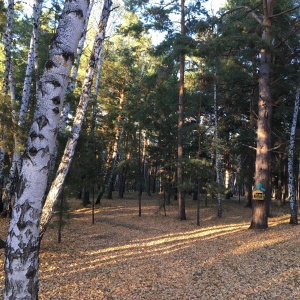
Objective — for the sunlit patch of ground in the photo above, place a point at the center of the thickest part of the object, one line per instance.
(124, 256)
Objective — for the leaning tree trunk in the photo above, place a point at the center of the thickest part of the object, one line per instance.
(37, 9)
(293, 201)
(67, 157)
(21, 258)
(72, 83)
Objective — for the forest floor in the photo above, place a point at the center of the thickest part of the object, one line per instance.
(158, 257)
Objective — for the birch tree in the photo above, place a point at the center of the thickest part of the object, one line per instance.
(21, 259)
(8, 83)
(7, 39)
(67, 157)
(20, 121)
(293, 201)
(72, 84)
(217, 147)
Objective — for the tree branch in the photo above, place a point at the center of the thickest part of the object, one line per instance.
(248, 9)
(286, 11)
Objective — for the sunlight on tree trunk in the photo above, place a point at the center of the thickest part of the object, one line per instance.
(21, 258)
(262, 165)
(68, 155)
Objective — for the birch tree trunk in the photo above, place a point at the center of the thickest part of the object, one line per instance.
(95, 95)
(37, 9)
(7, 39)
(218, 157)
(21, 258)
(293, 201)
(67, 157)
(1, 174)
(19, 122)
(118, 138)
(72, 84)
(8, 85)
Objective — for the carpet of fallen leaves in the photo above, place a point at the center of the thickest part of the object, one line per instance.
(124, 256)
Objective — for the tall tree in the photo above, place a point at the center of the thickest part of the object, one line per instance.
(217, 147)
(293, 201)
(20, 120)
(67, 157)
(181, 195)
(21, 259)
(262, 163)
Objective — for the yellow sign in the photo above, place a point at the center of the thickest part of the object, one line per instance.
(258, 195)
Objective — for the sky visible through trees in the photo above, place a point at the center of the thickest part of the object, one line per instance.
(201, 107)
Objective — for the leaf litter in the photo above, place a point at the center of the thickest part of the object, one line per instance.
(124, 256)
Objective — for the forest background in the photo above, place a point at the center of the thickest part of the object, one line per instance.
(211, 109)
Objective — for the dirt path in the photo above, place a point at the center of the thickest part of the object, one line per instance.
(123, 256)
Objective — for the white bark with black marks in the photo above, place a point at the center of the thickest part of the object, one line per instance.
(293, 201)
(69, 151)
(218, 156)
(21, 259)
(37, 9)
(7, 39)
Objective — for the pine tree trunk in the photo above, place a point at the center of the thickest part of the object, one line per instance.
(69, 151)
(21, 259)
(181, 195)
(262, 165)
(293, 200)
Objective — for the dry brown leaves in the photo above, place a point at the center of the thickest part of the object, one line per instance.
(124, 256)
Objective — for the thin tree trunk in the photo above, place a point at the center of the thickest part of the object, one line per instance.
(279, 182)
(181, 195)
(8, 85)
(118, 138)
(1, 174)
(218, 158)
(21, 259)
(37, 9)
(67, 157)
(16, 162)
(72, 83)
(7, 39)
(293, 200)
